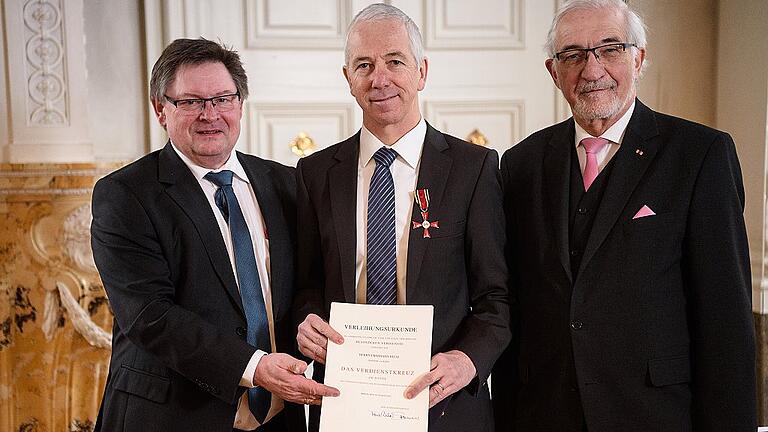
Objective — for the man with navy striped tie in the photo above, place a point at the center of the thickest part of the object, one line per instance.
(401, 213)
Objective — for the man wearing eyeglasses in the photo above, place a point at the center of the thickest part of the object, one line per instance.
(195, 244)
(630, 277)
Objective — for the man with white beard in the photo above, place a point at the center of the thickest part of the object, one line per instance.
(628, 257)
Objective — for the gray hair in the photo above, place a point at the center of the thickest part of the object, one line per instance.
(383, 12)
(182, 52)
(635, 27)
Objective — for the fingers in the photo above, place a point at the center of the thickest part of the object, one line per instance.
(310, 348)
(325, 329)
(312, 337)
(283, 376)
(450, 372)
(419, 384)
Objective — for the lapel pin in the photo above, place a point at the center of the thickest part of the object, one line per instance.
(638, 152)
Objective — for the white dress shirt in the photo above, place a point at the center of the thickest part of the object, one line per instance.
(405, 172)
(614, 134)
(253, 218)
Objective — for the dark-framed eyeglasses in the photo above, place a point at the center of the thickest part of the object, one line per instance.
(221, 103)
(605, 54)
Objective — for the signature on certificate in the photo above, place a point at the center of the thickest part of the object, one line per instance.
(392, 415)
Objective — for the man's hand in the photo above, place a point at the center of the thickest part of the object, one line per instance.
(449, 373)
(313, 337)
(283, 376)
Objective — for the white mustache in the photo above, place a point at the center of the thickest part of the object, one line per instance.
(596, 85)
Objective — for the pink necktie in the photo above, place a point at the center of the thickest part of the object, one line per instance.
(592, 146)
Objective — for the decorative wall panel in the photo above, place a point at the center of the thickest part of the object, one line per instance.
(46, 83)
(55, 322)
(45, 60)
(299, 24)
(275, 126)
(500, 122)
(479, 24)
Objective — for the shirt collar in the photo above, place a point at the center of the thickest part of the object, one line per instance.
(614, 134)
(408, 147)
(232, 164)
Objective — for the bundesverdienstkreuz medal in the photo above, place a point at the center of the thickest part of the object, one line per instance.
(422, 200)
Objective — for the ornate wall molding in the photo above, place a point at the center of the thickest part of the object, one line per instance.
(275, 125)
(306, 24)
(502, 122)
(46, 82)
(491, 24)
(45, 61)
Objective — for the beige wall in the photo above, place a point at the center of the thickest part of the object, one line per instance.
(682, 45)
(742, 110)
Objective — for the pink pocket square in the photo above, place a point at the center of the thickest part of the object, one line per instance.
(644, 212)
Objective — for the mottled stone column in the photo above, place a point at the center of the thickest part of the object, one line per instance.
(55, 322)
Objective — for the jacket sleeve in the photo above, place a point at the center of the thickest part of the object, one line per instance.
(485, 331)
(311, 275)
(717, 278)
(505, 381)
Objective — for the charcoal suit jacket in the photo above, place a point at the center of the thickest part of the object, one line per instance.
(653, 331)
(178, 349)
(460, 269)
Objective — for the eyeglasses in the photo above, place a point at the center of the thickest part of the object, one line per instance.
(221, 103)
(605, 54)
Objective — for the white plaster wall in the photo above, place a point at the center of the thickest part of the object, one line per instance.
(117, 88)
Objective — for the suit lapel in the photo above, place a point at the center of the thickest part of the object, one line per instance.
(185, 191)
(628, 169)
(276, 231)
(342, 180)
(434, 170)
(557, 168)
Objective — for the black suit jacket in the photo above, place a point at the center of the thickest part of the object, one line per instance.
(460, 270)
(655, 332)
(178, 348)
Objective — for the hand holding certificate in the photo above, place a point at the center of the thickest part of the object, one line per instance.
(385, 348)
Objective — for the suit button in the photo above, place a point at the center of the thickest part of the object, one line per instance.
(240, 331)
(574, 252)
(577, 325)
(581, 210)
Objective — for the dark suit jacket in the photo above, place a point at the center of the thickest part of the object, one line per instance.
(655, 332)
(460, 270)
(178, 348)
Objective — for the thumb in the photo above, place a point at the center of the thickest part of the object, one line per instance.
(297, 366)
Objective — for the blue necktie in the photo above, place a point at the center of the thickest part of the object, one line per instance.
(381, 259)
(259, 399)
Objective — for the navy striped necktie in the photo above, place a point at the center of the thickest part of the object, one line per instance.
(259, 399)
(381, 258)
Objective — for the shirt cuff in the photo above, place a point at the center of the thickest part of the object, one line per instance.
(247, 379)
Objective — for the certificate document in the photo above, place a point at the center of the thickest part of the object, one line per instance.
(385, 348)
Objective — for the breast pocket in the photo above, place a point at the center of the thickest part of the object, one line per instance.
(448, 230)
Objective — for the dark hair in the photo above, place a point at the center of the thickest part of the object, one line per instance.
(182, 52)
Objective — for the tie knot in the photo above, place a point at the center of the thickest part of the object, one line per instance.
(594, 145)
(221, 178)
(384, 156)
